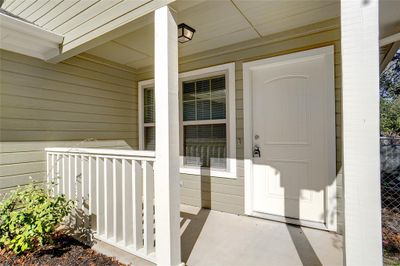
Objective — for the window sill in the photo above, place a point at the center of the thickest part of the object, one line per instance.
(207, 172)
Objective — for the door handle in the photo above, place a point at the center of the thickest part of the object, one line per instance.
(256, 151)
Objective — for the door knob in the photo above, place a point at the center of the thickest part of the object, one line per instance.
(256, 151)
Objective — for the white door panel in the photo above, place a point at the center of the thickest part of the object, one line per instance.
(289, 125)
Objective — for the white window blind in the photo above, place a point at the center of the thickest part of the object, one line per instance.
(204, 122)
(149, 119)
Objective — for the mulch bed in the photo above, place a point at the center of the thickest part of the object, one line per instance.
(65, 251)
(391, 236)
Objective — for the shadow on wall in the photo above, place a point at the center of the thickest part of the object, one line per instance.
(292, 197)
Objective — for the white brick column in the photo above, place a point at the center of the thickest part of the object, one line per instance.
(166, 179)
(360, 73)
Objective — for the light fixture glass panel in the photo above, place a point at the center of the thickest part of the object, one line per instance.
(188, 34)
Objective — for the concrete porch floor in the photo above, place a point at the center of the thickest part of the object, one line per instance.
(216, 238)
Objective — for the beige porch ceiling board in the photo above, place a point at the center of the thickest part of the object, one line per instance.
(270, 17)
(103, 18)
(137, 43)
(43, 10)
(7, 3)
(221, 41)
(14, 5)
(85, 16)
(68, 14)
(32, 8)
(212, 19)
(56, 11)
(124, 55)
(241, 21)
(107, 26)
(24, 5)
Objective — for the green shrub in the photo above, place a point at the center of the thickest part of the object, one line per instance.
(29, 217)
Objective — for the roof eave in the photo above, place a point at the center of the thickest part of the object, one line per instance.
(26, 38)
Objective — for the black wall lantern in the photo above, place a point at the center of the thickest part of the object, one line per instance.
(185, 33)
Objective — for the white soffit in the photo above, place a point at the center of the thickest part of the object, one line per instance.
(25, 38)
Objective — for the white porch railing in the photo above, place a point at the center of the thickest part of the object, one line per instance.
(113, 189)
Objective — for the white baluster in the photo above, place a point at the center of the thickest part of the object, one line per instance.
(148, 193)
(64, 174)
(99, 208)
(137, 186)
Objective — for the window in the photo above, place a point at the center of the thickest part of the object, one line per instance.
(149, 119)
(207, 126)
(204, 122)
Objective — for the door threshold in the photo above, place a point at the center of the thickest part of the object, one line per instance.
(287, 220)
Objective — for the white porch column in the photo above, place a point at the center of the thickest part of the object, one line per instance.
(360, 64)
(167, 198)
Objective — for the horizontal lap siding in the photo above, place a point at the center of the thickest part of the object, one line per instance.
(47, 105)
(22, 161)
(228, 194)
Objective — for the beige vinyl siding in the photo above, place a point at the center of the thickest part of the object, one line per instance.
(46, 105)
(22, 161)
(228, 194)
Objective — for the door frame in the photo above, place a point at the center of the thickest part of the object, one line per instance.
(330, 196)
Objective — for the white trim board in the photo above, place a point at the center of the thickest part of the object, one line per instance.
(25, 38)
(361, 158)
(229, 71)
(330, 191)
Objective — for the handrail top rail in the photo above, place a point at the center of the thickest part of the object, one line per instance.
(99, 151)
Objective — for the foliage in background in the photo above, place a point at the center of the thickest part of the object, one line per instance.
(29, 217)
(390, 98)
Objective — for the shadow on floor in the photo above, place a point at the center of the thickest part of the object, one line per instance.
(303, 246)
(192, 225)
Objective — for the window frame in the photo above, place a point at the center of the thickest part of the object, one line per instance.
(142, 85)
(228, 70)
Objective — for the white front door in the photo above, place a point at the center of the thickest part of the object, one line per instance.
(292, 126)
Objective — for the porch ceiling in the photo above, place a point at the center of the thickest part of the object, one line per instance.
(226, 22)
(95, 25)
(219, 23)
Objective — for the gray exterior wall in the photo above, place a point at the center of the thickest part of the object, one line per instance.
(46, 105)
(228, 194)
